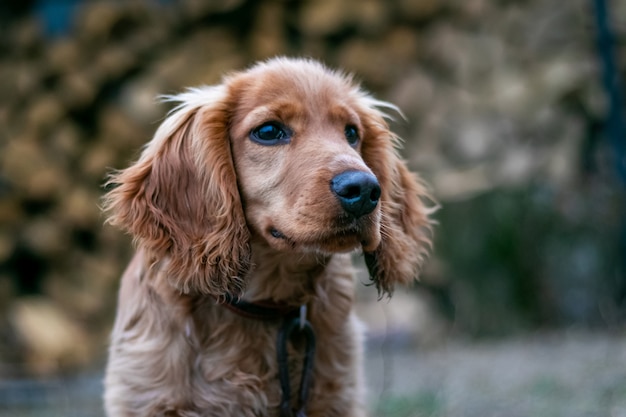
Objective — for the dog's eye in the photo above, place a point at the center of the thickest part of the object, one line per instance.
(270, 133)
(352, 135)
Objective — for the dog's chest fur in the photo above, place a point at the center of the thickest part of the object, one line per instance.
(212, 361)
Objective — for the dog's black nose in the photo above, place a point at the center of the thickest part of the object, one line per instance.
(358, 192)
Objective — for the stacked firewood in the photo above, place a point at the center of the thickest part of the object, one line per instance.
(76, 105)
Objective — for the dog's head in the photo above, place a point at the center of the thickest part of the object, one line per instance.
(287, 152)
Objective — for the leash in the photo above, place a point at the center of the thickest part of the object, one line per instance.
(290, 328)
(293, 326)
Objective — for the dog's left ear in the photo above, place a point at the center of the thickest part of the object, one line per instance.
(405, 225)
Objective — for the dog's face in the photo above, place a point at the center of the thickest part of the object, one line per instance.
(296, 141)
(287, 151)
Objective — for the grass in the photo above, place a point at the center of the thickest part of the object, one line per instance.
(423, 404)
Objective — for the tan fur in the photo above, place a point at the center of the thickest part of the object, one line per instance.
(201, 203)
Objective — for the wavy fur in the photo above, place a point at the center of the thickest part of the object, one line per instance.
(213, 212)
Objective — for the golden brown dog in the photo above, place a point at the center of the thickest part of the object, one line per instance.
(244, 207)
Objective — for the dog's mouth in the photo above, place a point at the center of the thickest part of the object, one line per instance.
(338, 240)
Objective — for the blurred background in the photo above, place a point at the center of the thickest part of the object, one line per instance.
(514, 115)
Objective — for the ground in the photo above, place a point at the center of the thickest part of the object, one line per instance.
(564, 374)
(556, 375)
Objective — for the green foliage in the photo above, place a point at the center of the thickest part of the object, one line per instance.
(521, 258)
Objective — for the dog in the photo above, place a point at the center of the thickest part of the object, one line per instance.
(244, 209)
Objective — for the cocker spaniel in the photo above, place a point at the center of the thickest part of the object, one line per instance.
(244, 208)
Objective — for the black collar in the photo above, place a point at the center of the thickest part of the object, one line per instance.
(260, 310)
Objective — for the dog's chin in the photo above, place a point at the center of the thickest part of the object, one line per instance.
(341, 241)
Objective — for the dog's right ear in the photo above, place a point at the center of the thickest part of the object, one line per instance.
(180, 200)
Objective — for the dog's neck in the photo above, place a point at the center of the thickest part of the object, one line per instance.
(283, 277)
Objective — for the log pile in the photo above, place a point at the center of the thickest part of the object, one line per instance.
(480, 83)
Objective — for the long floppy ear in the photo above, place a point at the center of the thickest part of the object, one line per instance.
(180, 200)
(405, 225)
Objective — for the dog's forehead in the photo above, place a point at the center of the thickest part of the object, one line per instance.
(296, 80)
